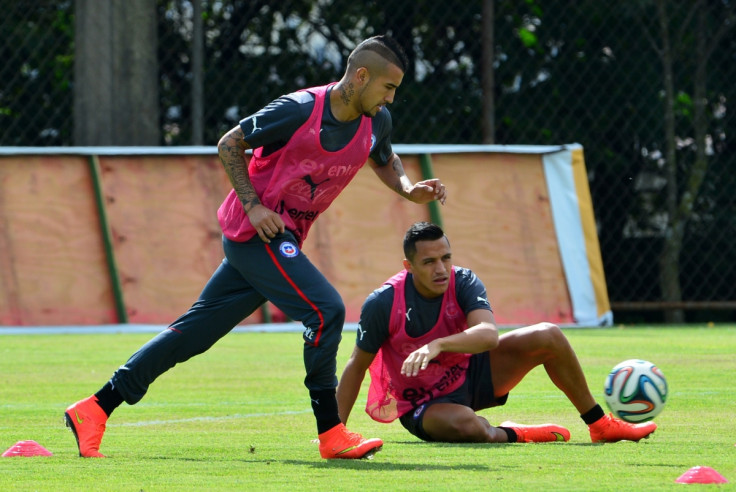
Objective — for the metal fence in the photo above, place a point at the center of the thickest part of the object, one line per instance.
(645, 86)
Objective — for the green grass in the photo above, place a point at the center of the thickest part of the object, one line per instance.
(238, 418)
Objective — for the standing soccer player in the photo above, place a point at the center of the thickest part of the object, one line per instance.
(308, 145)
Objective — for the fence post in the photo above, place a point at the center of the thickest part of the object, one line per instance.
(425, 163)
(106, 233)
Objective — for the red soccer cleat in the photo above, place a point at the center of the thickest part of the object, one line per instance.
(538, 433)
(87, 421)
(611, 429)
(339, 442)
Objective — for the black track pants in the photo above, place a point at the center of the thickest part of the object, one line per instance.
(251, 273)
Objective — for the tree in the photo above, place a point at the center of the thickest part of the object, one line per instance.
(36, 40)
(706, 25)
(115, 73)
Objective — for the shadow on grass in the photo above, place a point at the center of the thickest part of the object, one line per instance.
(384, 466)
(481, 445)
(317, 463)
(378, 463)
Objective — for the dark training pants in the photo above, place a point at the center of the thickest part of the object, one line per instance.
(251, 273)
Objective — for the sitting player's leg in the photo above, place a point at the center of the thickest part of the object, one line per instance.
(453, 417)
(521, 350)
(451, 422)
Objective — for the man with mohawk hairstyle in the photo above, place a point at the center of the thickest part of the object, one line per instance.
(307, 146)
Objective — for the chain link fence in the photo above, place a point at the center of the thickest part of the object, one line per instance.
(645, 86)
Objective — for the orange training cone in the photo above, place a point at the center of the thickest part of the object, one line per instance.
(27, 448)
(701, 474)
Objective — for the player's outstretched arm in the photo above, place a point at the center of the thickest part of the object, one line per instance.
(352, 378)
(394, 177)
(481, 336)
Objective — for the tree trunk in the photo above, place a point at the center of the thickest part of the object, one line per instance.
(487, 75)
(197, 74)
(116, 73)
(669, 259)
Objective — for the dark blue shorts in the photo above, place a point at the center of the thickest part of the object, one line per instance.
(476, 392)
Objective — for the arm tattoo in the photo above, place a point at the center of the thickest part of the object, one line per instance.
(232, 155)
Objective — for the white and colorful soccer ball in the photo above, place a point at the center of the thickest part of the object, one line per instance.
(635, 390)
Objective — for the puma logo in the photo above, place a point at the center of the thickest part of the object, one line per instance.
(255, 125)
(312, 185)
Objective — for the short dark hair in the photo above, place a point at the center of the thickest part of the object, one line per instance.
(387, 47)
(420, 231)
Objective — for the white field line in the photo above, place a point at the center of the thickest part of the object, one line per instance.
(236, 416)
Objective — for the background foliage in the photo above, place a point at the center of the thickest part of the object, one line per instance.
(644, 85)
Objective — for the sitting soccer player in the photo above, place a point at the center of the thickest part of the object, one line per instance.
(429, 339)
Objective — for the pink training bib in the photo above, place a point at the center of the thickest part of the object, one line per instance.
(300, 180)
(390, 394)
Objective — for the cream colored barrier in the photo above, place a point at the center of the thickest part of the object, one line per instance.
(101, 236)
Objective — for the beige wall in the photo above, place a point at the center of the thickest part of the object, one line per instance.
(166, 240)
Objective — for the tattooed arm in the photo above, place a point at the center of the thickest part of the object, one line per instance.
(394, 177)
(231, 148)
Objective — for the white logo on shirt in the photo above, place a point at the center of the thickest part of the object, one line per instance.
(360, 332)
(483, 300)
(407, 315)
(255, 125)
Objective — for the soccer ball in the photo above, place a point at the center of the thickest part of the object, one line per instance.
(635, 390)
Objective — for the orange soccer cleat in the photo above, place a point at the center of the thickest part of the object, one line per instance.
(87, 421)
(538, 433)
(610, 429)
(339, 442)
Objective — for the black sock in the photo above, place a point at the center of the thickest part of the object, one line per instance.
(511, 433)
(324, 406)
(108, 398)
(593, 415)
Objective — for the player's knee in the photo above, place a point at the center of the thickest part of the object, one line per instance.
(333, 311)
(551, 335)
(551, 329)
(326, 314)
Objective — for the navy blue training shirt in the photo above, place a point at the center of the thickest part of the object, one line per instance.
(272, 126)
(421, 313)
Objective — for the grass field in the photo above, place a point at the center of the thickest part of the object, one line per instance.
(238, 418)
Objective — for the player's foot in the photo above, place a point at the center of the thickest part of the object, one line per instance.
(611, 429)
(339, 442)
(87, 421)
(538, 433)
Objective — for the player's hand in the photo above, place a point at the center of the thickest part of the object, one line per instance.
(418, 360)
(428, 190)
(266, 222)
